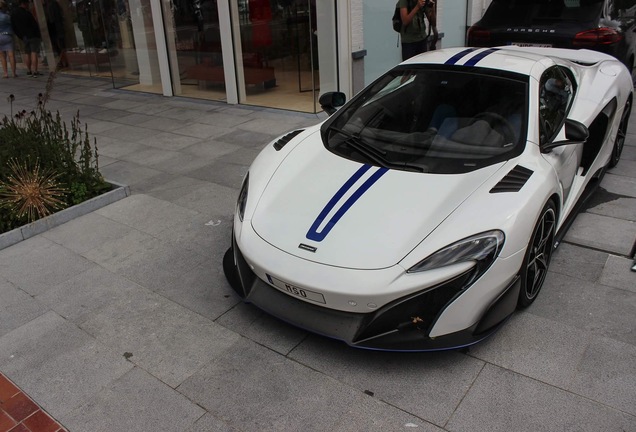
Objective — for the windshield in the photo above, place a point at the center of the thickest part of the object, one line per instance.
(433, 119)
(528, 12)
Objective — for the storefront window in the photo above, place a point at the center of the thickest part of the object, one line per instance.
(272, 53)
(109, 38)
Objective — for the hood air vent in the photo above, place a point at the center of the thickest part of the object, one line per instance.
(280, 143)
(513, 181)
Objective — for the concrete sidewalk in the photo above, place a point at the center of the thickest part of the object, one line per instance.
(121, 320)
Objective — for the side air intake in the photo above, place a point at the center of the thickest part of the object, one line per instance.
(513, 181)
(280, 143)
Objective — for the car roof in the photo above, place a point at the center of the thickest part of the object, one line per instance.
(509, 58)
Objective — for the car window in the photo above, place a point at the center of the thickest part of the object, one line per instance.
(527, 12)
(433, 119)
(555, 98)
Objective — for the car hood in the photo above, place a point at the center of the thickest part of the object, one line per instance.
(327, 209)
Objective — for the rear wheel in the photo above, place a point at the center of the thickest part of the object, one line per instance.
(621, 134)
(538, 255)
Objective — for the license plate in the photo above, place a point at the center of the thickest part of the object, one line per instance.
(296, 291)
(527, 44)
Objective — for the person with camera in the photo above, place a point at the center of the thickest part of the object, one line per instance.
(413, 33)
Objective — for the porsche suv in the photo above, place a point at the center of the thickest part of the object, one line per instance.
(607, 26)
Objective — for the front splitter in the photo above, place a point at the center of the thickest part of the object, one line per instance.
(356, 329)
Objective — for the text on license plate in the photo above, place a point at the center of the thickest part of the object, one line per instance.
(526, 44)
(297, 291)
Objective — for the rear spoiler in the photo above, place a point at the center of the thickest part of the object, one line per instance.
(580, 56)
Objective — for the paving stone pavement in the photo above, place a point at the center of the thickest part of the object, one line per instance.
(121, 320)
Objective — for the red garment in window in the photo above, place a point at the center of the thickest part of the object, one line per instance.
(260, 10)
(260, 16)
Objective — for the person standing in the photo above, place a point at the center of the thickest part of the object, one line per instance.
(26, 28)
(6, 40)
(55, 24)
(413, 32)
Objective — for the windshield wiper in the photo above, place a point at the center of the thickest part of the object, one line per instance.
(358, 141)
(378, 156)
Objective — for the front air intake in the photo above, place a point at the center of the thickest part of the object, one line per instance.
(513, 181)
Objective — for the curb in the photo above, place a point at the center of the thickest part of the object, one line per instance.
(19, 234)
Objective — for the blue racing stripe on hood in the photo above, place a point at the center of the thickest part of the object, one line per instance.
(457, 57)
(313, 233)
(477, 58)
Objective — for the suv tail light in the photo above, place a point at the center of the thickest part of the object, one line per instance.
(595, 37)
(478, 36)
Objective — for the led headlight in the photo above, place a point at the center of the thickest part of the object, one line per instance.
(242, 198)
(482, 249)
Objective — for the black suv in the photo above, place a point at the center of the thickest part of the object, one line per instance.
(608, 26)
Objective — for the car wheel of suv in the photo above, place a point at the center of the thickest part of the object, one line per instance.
(538, 255)
(620, 135)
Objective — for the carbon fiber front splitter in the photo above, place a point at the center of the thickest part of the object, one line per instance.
(402, 325)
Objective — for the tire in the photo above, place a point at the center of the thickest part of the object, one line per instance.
(229, 268)
(537, 259)
(619, 143)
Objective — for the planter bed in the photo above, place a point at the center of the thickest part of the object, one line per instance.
(39, 226)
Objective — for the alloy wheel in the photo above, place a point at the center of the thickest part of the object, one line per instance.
(538, 255)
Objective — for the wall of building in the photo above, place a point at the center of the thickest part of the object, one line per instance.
(476, 9)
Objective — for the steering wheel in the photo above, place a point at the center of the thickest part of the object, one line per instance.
(497, 119)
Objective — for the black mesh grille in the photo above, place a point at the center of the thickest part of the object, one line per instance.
(280, 143)
(417, 312)
(513, 181)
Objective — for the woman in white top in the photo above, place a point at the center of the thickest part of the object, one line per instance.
(6, 40)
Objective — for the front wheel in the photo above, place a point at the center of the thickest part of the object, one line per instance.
(538, 255)
(229, 268)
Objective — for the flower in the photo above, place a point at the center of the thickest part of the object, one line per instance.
(31, 193)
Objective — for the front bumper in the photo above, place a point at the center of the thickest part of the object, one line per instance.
(401, 325)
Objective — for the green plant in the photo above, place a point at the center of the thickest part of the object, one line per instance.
(78, 192)
(40, 139)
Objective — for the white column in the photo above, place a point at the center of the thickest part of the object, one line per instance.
(343, 12)
(162, 49)
(171, 44)
(145, 46)
(327, 43)
(230, 49)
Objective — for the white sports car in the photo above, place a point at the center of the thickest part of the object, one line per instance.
(424, 211)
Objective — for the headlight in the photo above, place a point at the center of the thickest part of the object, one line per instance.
(242, 198)
(482, 249)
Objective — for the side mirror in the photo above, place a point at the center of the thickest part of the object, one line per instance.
(331, 101)
(575, 133)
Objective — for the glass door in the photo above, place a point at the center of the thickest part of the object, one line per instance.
(85, 37)
(110, 38)
(278, 62)
(131, 37)
(194, 49)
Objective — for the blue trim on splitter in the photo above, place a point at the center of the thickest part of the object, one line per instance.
(313, 233)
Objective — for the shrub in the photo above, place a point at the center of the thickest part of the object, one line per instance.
(48, 153)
